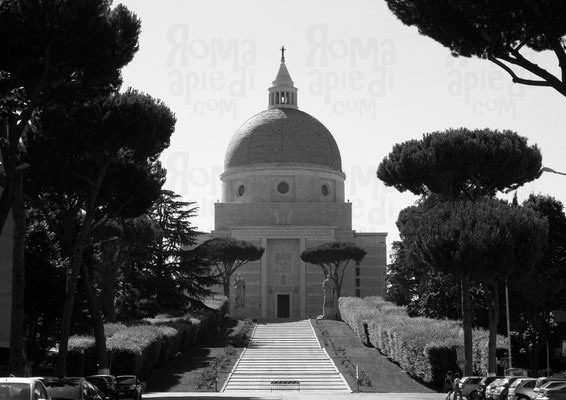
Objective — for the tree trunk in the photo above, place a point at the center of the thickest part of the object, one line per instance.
(108, 296)
(337, 289)
(467, 325)
(17, 353)
(73, 279)
(76, 264)
(493, 314)
(108, 287)
(8, 158)
(97, 323)
(226, 286)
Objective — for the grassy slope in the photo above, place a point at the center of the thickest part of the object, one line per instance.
(378, 373)
(183, 373)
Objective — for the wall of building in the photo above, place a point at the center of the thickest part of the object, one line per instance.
(282, 272)
(260, 185)
(6, 246)
(227, 215)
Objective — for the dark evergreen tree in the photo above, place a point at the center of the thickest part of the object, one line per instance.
(90, 162)
(226, 256)
(536, 297)
(457, 165)
(174, 276)
(496, 30)
(63, 51)
(484, 240)
(51, 50)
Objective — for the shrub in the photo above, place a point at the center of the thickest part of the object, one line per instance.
(139, 346)
(110, 328)
(82, 355)
(424, 347)
(135, 350)
(79, 342)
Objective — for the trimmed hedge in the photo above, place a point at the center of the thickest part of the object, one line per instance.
(424, 347)
(135, 350)
(140, 346)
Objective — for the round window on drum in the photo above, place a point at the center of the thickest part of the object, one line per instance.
(325, 189)
(241, 190)
(283, 187)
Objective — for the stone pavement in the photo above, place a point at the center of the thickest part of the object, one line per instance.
(285, 357)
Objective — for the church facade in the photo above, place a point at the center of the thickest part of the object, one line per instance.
(283, 189)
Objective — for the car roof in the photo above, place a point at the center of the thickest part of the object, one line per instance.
(525, 379)
(491, 378)
(554, 378)
(509, 379)
(553, 385)
(19, 380)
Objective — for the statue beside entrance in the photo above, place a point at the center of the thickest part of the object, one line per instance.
(328, 306)
(240, 285)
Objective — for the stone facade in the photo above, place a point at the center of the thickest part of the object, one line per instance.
(283, 189)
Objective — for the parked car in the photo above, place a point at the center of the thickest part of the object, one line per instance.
(522, 389)
(500, 391)
(553, 390)
(128, 386)
(490, 389)
(481, 393)
(73, 389)
(105, 383)
(543, 380)
(469, 385)
(23, 389)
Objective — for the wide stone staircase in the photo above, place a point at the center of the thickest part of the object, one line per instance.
(285, 356)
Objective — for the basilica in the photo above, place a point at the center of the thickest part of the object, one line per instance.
(283, 189)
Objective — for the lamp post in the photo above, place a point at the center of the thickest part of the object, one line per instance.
(546, 169)
(508, 325)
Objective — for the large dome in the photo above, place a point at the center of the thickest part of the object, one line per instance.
(283, 136)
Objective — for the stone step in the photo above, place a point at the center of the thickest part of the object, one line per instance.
(285, 352)
(280, 377)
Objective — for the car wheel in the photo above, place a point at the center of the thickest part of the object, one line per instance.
(474, 396)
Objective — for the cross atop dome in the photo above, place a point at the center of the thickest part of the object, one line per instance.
(283, 93)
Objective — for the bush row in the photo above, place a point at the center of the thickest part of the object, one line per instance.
(424, 347)
(138, 347)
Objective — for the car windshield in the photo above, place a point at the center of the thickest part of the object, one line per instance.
(126, 380)
(554, 385)
(64, 390)
(515, 384)
(14, 391)
(544, 381)
(98, 381)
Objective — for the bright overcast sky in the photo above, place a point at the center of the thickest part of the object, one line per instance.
(371, 80)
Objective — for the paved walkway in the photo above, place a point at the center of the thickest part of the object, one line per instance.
(285, 357)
